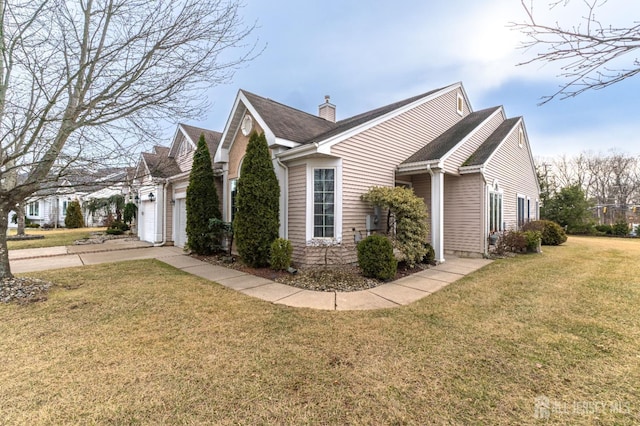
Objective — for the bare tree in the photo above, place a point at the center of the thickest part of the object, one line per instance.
(81, 79)
(593, 55)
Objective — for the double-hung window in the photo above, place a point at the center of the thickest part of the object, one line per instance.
(324, 207)
(34, 209)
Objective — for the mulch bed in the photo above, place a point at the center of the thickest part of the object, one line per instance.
(320, 278)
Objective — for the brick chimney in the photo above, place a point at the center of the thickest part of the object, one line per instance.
(327, 110)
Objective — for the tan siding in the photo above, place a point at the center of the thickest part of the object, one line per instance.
(422, 188)
(463, 227)
(462, 154)
(297, 215)
(512, 166)
(185, 154)
(370, 158)
(238, 149)
(169, 213)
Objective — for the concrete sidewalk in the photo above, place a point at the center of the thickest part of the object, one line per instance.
(400, 292)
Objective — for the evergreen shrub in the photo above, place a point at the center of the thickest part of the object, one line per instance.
(552, 233)
(73, 218)
(376, 259)
(257, 220)
(202, 201)
(281, 251)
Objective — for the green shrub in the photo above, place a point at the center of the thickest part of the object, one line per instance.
(376, 259)
(533, 239)
(73, 218)
(407, 221)
(221, 235)
(552, 233)
(281, 251)
(430, 257)
(32, 225)
(202, 201)
(620, 228)
(130, 212)
(604, 229)
(117, 228)
(257, 220)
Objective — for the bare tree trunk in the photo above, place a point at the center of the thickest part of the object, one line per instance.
(5, 270)
(21, 219)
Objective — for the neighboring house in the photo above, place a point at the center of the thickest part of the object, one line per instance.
(48, 206)
(161, 179)
(474, 170)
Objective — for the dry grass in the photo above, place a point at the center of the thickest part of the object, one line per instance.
(169, 348)
(52, 237)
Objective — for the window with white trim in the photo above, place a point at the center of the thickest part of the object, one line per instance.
(34, 208)
(65, 204)
(521, 211)
(460, 104)
(324, 196)
(495, 210)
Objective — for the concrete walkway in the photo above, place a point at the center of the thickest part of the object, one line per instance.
(400, 292)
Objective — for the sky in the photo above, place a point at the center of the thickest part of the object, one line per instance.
(370, 54)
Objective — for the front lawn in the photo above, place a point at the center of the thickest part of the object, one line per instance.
(52, 237)
(142, 342)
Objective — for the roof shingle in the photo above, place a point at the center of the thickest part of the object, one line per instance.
(444, 143)
(484, 151)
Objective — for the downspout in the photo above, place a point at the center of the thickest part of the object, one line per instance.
(286, 197)
(164, 214)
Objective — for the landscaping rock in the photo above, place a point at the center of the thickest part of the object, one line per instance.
(23, 290)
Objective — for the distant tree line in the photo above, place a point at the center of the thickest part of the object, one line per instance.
(590, 188)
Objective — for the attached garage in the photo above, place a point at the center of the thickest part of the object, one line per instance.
(180, 222)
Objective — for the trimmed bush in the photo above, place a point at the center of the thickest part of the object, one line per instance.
(552, 233)
(604, 229)
(430, 257)
(620, 228)
(130, 213)
(73, 218)
(117, 228)
(202, 201)
(281, 251)
(257, 220)
(407, 219)
(533, 239)
(376, 259)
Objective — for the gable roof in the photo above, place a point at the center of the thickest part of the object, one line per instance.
(488, 147)
(443, 144)
(159, 163)
(210, 136)
(287, 122)
(356, 120)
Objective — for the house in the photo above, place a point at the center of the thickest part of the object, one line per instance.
(474, 169)
(161, 179)
(47, 207)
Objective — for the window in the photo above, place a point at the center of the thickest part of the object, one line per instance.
(324, 190)
(233, 188)
(34, 208)
(460, 104)
(528, 210)
(65, 204)
(495, 210)
(521, 211)
(520, 138)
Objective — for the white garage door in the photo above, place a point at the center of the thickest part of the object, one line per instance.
(180, 233)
